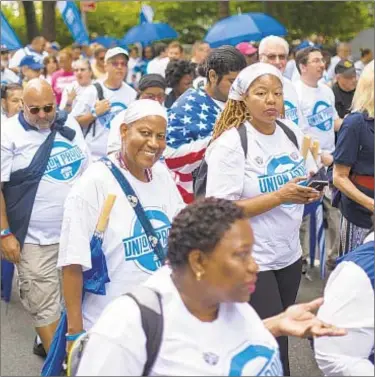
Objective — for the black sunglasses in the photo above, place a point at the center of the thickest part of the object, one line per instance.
(36, 109)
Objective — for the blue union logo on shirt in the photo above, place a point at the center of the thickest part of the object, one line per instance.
(322, 116)
(107, 118)
(256, 360)
(138, 249)
(65, 161)
(291, 112)
(281, 170)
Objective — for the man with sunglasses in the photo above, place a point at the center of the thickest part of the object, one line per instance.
(32, 206)
(94, 113)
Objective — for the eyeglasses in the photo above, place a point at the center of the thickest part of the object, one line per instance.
(273, 57)
(36, 109)
(317, 61)
(155, 97)
(119, 64)
(101, 58)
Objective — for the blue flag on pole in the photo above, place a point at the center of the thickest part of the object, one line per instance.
(73, 21)
(146, 15)
(8, 37)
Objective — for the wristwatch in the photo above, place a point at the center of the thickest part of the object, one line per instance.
(5, 232)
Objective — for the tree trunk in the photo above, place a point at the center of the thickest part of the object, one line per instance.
(223, 9)
(49, 20)
(30, 19)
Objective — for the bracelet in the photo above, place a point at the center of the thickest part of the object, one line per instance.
(73, 337)
(5, 233)
(93, 113)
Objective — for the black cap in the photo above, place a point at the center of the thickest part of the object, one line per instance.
(345, 67)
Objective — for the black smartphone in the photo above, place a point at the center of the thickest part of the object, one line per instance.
(318, 185)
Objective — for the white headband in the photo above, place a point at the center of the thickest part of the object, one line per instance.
(248, 75)
(143, 108)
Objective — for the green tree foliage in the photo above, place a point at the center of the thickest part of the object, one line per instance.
(192, 19)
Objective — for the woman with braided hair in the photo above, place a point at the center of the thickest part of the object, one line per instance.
(264, 182)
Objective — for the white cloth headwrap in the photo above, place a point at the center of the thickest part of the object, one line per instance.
(143, 108)
(248, 75)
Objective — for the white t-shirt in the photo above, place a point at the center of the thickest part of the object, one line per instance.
(158, 65)
(318, 107)
(291, 104)
(80, 90)
(67, 162)
(272, 161)
(235, 344)
(129, 258)
(348, 304)
(119, 98)
(15, 60)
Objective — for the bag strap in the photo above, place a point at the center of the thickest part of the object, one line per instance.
(150, 306)
(100, 93)
(243, 136)
(137, 206)
(291, 135)
(99, 90)
(152, 319)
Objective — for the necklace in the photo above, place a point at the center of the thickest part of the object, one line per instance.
(124, 165)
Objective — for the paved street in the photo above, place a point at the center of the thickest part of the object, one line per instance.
(17, 338)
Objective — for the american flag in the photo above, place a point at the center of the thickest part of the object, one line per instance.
(190, 123)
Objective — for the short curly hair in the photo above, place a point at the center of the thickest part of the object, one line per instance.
(176, 70)
(223, 60)
(201, 225)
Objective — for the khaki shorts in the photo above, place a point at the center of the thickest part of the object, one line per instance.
(39, 283)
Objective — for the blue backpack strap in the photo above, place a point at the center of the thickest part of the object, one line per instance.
(137, 206)
(362, 256)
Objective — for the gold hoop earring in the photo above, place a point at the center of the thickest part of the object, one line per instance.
(198, 276)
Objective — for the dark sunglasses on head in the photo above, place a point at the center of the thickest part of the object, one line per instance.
(36, 109)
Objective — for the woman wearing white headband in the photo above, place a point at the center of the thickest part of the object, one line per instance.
(264, 183)
(129, 257)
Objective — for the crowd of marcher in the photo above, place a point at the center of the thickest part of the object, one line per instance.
(216, 162)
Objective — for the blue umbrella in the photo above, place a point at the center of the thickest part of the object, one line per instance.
(242, 28)
(94, 281)
(7, 272)
(149, 32)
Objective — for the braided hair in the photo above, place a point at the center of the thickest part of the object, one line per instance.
(234, 114)
(201, 225)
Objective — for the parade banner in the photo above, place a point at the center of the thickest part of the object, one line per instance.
(73, 21)
(9, 38)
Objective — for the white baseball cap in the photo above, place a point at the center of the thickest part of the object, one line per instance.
(115, 51)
